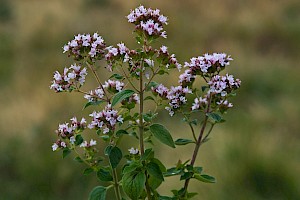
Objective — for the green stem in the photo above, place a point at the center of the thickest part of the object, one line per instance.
(198, 144)
(209, 131)
(154, 73)
(127, 77)
(116, 185)
(191, 126)
(78, 154)
(98, 80)
(141, 123)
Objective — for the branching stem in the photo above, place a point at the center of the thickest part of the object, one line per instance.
(198, 144)
(97, 79)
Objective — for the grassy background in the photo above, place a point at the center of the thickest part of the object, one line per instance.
(255, 155)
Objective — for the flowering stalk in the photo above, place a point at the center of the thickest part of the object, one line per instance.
(121, 116)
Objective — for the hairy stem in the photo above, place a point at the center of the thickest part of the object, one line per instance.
(209, 131)
(141, 124)
(97, 79)
(128, 78)
(198, 144)
(79, 155)
(116, 185)
(141, 121)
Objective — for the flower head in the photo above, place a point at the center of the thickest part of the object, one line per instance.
(148, 21)
(114, 86)
(133, 151)
(67, 130)
(69, 79)
(208, 63)
(223, 85)
(86, 45)
(86, 144)
(105, 120)
(98, 93)
(58, 144)
(177, 97)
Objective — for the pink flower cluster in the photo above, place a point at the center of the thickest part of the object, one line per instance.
(148, 21)
(114, 86)
(208, 63)
(58, 144)
(161, 90)
(86, 45)
(68, 80)
(105, 120)
(119, 53)
(224, 104)
(134, 99)
(98, 93)
(68, 131)
(175, 95)
(223, 84)
(120, 50)
(168, 59)
(187, 77)
(199, 103)
(86, 144)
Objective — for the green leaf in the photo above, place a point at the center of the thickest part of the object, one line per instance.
(98, 132)
(191, 195)
(216, 118)
(115, 155)
(134, 135)
(148, 153)
(190, 168)
(198, 170)
(105, 137)
(154, 170)
(78, 159)
(121, 132)
(149, 98)
(154, 182)
(150, 85)
(182, 141)
(78, 140)
(194, 122)
(186, 175)
(162, 134)
(87, 171)
(166, 198)
(117, 76)
(161, 166)
(134, 166)
(139, 39)
(107, 150)
(104, 175)
(66, 152)
(121, 96)
(92, 103)
(205, 178)
(98, 193)
(172, 172)
(133, 184)
(203, 88)
(149, 116)
(161, 72)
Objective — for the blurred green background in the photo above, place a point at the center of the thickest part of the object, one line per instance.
(254, 155)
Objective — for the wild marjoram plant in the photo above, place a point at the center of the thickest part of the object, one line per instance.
(122, 115)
